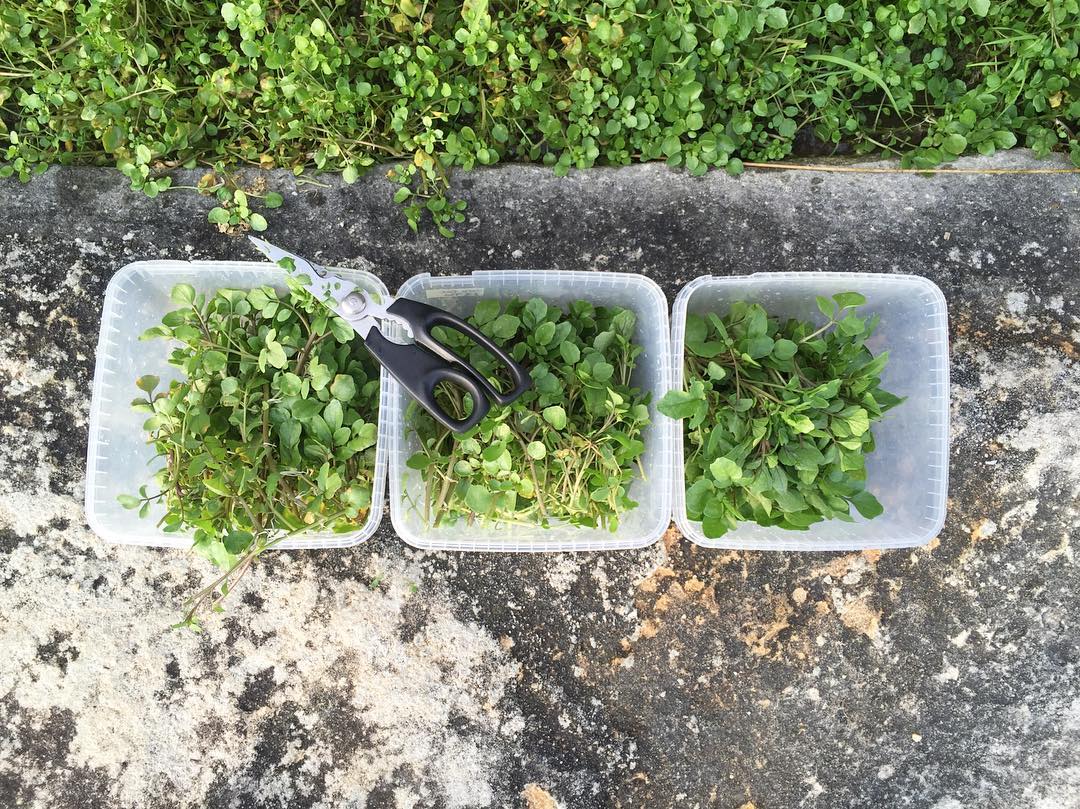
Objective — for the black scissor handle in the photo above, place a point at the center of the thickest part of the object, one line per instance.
(422, 318)
(419, 371)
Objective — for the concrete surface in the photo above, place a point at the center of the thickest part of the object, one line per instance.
(379, 677)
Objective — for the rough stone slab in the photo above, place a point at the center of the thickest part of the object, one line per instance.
(380, 677)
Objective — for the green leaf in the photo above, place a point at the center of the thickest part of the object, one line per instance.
(218, 216)
(848, 299)
(800, 423)
(343, 388)
(288, 383)
(570, 352)
(858, 422)
(341, 330)
(479, 499)
(147, 382)
(183, 295)
(275, 354)
(214, 361)
(273, 199)
(333, 415)
(784, 349)
(236, 542)
(535, 312)
(954, 144)
(304, 409)
(834, 12)
(544, 333)
(555, 416)
(505, 327)
(867, 505)
(776, 17)
(536, 450)
(257, 222)
(678, 404)
(725, 471)
(979, 8)
(758, 347)
(129, 501)
(825, 306)
(289, 431)
(485, 311)
(419, 460)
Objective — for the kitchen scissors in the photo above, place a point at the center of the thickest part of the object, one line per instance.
(419, 365)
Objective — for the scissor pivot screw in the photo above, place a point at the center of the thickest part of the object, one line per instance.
(353, 304)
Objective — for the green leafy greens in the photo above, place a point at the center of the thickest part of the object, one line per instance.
(777, 416)
(440, 85)
(270, 431)
(567, 449)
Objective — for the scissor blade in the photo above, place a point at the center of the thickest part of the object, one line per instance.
(328, 288)
(276, 254)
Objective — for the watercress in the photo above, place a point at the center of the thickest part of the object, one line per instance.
(567, 450)
(778, 415)
(269, 432)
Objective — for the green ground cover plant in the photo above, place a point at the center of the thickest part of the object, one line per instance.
(150, 85)
(566, 450)
(778, 416)
(269, 432)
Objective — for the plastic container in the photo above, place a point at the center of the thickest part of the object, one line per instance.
(639, 527)
(118, 457)
(908, 471)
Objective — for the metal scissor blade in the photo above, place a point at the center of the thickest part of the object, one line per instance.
(326, 287)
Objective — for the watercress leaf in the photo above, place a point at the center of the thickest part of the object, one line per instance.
(602, 371)
(799, 423)
(485, 311)
(304, 409)
(478, 498)
(289, 432)
(544, 333)
(419, 460)
(183, 295)
(849, 299)
(695, 329)
(147, 382)
(784, 349)
(214, 361)
(570, 352)
(288, 383)
(758, 347)
(534, 313)
(866, 504)
(275, 354)
(555, 416)
(825, 306)
(678, 404)
(725, 471)
(343, 387)
(333, 414)
(505, 327)
(129, 501)
(341, 330)
(236, 542)
(536, 450)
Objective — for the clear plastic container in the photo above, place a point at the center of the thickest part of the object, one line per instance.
(118, 457)
(639, 527)
(908, 471)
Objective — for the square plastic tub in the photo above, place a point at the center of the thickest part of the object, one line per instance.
(908, 470)
(640, 527)
(117, 456)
